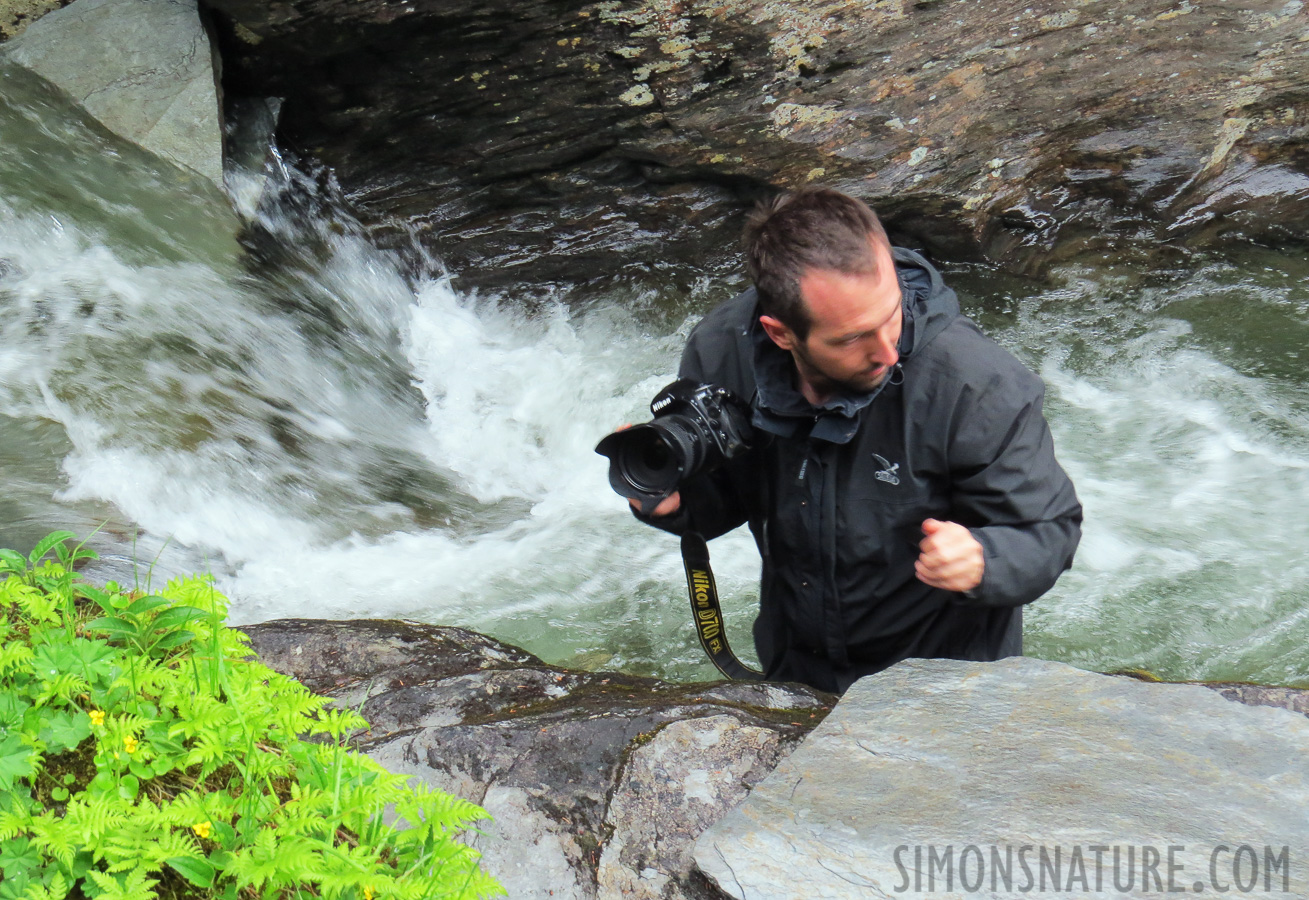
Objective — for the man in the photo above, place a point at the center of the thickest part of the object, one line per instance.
(902, 489)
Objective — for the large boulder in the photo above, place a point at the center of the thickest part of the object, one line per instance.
(948, 779)
(599, 782)
(529, 140)
(144, 68)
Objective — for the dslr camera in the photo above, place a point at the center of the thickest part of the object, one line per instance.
(696, 428)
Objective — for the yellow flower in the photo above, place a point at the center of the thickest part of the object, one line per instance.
(202, 829)
(97, 717)
(130, 743)
(368, 892)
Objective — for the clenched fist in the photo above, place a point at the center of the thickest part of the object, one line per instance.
(949, 557)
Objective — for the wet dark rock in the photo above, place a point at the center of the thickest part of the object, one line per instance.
(325, 656)
(1294, 699)
(599, 782)
(573, 140)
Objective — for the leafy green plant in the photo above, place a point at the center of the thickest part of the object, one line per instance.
(144, 753)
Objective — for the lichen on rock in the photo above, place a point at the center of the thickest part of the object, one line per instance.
(15, 15)
(630, 113)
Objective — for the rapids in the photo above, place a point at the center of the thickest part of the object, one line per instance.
(334, 431)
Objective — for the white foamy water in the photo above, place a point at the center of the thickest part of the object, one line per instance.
(336, 437)
(514, 406)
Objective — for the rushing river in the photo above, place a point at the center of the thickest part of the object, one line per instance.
(334, 435)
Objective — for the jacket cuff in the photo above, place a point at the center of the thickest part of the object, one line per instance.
(978, 594)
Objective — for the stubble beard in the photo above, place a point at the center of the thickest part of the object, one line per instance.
(827, 386)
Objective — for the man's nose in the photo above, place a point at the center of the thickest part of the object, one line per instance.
(884, 350)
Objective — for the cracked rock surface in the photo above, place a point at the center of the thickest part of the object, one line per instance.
(599, 782)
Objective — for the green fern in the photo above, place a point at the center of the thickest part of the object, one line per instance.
(14, 657)
(142, 747)
(135, 885)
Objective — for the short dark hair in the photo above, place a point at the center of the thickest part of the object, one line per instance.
(811, 228)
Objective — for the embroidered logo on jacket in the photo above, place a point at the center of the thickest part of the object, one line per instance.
(889, 471)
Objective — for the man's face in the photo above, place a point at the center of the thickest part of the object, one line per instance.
(853, 340)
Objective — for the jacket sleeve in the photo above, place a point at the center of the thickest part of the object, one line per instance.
(1011, 492)
(710, 507)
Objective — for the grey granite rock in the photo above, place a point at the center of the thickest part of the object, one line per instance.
(598, 782)
(928, 778)
(674, 787)
(144, 68)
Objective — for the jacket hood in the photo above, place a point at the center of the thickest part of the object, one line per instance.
(929, 305)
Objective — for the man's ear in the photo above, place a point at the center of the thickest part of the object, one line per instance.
(779, 334)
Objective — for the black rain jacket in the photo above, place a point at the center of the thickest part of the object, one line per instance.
(836, 496)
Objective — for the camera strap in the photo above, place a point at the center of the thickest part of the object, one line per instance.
(706, 613)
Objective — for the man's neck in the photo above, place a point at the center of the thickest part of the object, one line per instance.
(812, 389)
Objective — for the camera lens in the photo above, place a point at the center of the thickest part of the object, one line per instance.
(648, 464)
(651, 459)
